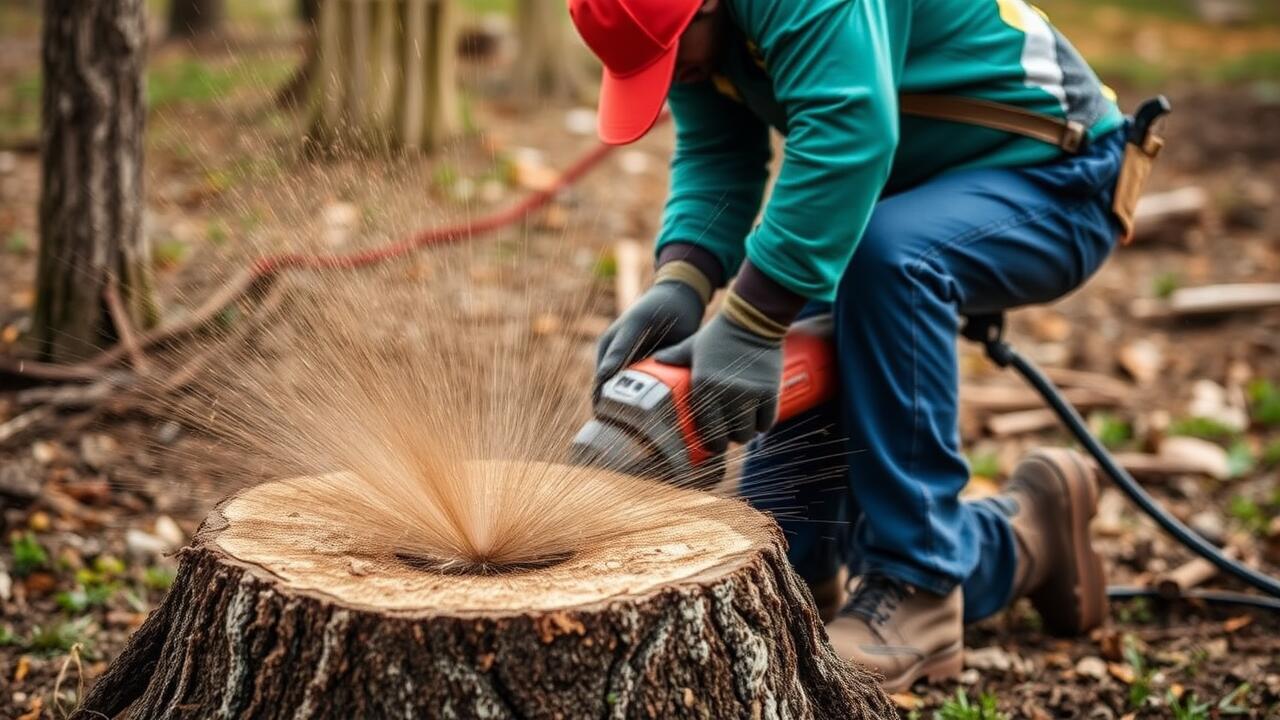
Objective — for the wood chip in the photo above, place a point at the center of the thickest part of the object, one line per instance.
(1021, 422)
(1209, 300)
(629, 256)
(1231, 625)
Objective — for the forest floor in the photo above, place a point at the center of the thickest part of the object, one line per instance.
(94, 506)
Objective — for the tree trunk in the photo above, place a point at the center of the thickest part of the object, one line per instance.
(273, 617)
(293, 92)
(386, 75)
(91, 200)
(549, 64)
(196, 18)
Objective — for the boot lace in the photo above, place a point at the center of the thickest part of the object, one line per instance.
(876, 598)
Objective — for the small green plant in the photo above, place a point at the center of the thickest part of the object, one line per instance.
(7, 637)
(1114, 432)
(168, 253)
(1241, 459)
(1186, 707)
(1165, 284)
(60, 637)
(985, 465)
(157, 578)
(1202, 427)
(216, 233)
(16, 243)
(1135, 612)
(444, 176)
(1252, 516)
(961, 708)
(606, 268)
(28, 554)
(1271, 454)
(1140, 688)
(1264, 402)
(1230, 703)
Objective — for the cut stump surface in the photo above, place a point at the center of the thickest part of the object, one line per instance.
(701, 619)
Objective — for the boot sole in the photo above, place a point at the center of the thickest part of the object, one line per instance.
(937, 668)
(1085, 579)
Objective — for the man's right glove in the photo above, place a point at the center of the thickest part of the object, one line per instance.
(668, 312)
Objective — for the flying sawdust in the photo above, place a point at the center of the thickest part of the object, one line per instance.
(428, 437)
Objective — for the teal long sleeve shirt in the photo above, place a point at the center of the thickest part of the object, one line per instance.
(827, 75)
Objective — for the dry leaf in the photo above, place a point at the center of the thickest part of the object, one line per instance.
(24, 667)
(905, 700)
(35, 711)
(1122, 672)
(1231, 625)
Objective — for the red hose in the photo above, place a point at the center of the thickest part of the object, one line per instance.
(262, 270)
(272, 264)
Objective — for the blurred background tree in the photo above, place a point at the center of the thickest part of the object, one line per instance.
(196, 18)
(549, 63)
(386, 75)
(91, 181)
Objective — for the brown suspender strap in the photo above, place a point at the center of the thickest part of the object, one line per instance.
(1066, 134)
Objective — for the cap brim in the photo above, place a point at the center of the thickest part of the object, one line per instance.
(630, 105)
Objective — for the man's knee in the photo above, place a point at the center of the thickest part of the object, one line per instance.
(880, 265)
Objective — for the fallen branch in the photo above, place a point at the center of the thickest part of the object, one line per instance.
(1209, 300)
(1193, 573)
(76, 394)
(264, 271)
(1005, 398)
(1021, 422)
(124, 327)
(26, 420)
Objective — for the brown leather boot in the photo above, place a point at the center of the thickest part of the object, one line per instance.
(1054, 495)
(830, 594)
(904, 633)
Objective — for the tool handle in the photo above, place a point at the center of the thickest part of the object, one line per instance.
(808, 378)
(808, 375)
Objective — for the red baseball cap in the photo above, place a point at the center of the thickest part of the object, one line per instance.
(637, 40)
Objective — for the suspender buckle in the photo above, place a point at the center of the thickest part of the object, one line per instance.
(1073, 136)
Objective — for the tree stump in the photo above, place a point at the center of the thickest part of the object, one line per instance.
(701, 619)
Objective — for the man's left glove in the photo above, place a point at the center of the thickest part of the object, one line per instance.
(736, 362)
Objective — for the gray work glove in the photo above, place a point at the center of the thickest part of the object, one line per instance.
(667, 313)
(736, 379)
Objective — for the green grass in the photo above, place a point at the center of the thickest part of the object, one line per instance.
(1203, 428)
(193, 81)
(961, 707)
(1165, 284)
(1114, 432)
(28, 554)
(1264, 402)
(1140, 689)
(59, 637)
(1187, 708)
(506, 7)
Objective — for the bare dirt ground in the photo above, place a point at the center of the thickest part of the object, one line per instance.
(93, 505)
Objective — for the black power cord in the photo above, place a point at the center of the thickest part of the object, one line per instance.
(989, 330)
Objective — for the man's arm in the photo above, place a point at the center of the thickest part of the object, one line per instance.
(718, 174)
(833, 64)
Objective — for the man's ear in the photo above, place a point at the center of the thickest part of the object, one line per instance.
(709, 7)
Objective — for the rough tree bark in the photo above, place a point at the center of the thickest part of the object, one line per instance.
(196, 18)
(707, 621)
(91, 199)
(386, 75)
(548, 64)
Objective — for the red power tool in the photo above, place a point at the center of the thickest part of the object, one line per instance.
(644, 425)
